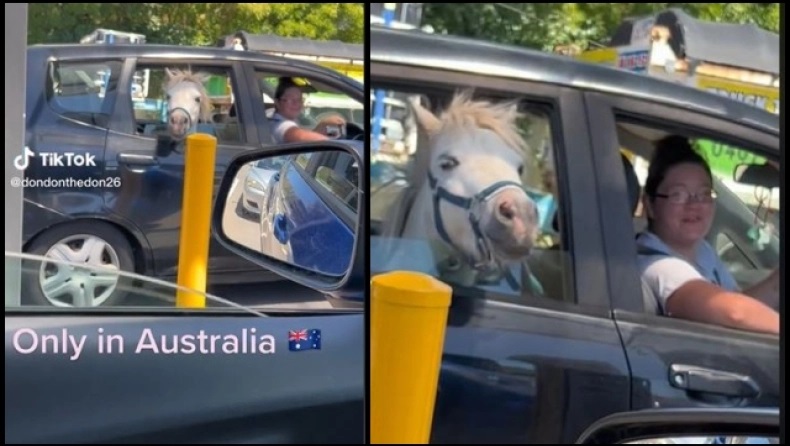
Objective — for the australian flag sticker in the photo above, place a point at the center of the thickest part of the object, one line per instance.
(300, 340)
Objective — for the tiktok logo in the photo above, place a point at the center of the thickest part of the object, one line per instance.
(21, 162)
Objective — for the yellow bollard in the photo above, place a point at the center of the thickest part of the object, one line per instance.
(201, 152)
(407, 326)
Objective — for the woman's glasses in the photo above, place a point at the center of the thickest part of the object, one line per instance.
(683, 196)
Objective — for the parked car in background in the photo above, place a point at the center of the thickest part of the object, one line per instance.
(256, 184)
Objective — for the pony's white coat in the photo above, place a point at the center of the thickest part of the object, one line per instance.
(485, 146)
(187, 101)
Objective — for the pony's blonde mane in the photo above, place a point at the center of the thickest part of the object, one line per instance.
(177, 76)
(464, 112)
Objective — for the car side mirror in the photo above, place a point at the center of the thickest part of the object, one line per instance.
(765, 175)
(301, 220)
(686, 426)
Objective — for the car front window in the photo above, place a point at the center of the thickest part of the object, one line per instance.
(319, 100)
(745, 231)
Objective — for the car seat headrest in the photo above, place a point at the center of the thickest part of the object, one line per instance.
(631, 183)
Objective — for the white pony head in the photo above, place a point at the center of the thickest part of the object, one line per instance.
(473, 198)
(187, 102)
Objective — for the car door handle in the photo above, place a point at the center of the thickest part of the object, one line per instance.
(136, 159)
(699, 379)
(516, 367)
(281, 229)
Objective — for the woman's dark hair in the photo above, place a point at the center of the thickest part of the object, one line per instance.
(283, 84)
(671, 151)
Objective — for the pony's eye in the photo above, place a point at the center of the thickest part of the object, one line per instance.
(197, 100)
(447, 163)
(521, 170)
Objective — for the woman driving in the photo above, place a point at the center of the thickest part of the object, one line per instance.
(678, 264)
(288, 102)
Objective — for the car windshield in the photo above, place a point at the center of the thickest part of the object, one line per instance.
(69, 285)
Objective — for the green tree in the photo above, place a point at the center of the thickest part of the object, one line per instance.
(543, 26)
(319, 21)
(196, 23)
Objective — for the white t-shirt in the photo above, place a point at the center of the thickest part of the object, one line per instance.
(664, 271)
(280, 125)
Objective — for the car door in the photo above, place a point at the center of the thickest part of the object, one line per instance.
(313, 212)
(69, 104)
(677, 363)
(516, 367)
(151, 170)
(150, 372)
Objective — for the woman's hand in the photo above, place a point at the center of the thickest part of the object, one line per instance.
(331, 126)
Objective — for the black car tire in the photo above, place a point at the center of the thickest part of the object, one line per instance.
(117, 246)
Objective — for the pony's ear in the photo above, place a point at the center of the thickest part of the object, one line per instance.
(427, 121)
(169, 73)
(202, 77)
(514, 110)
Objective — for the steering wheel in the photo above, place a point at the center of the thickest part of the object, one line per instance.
(354, 132)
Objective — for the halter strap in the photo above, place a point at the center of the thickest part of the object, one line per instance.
(472, 204)
(192, 125)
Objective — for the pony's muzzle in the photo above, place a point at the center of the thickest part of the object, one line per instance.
(513, 208)
(515, 221)
(179, 122)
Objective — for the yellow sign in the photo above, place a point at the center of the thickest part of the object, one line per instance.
(759, 96)
(606, 56)
(353, 71)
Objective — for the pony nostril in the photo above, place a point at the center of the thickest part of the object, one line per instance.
(507, 210)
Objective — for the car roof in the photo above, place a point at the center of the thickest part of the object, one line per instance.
(467, 55)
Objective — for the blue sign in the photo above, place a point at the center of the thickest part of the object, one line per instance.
(634, 60)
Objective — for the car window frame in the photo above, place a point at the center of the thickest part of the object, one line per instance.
(294, 69)
(330, 200)
(605, 110)
(587, 283)
(124, 121)
(111, 100)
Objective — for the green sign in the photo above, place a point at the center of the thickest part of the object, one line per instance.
(723, 158)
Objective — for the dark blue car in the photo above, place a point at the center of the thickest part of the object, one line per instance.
(312, 209)
(84, 101)
(540, 352)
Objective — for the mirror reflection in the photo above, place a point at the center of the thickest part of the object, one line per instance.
(764, 175)
(301, 209)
